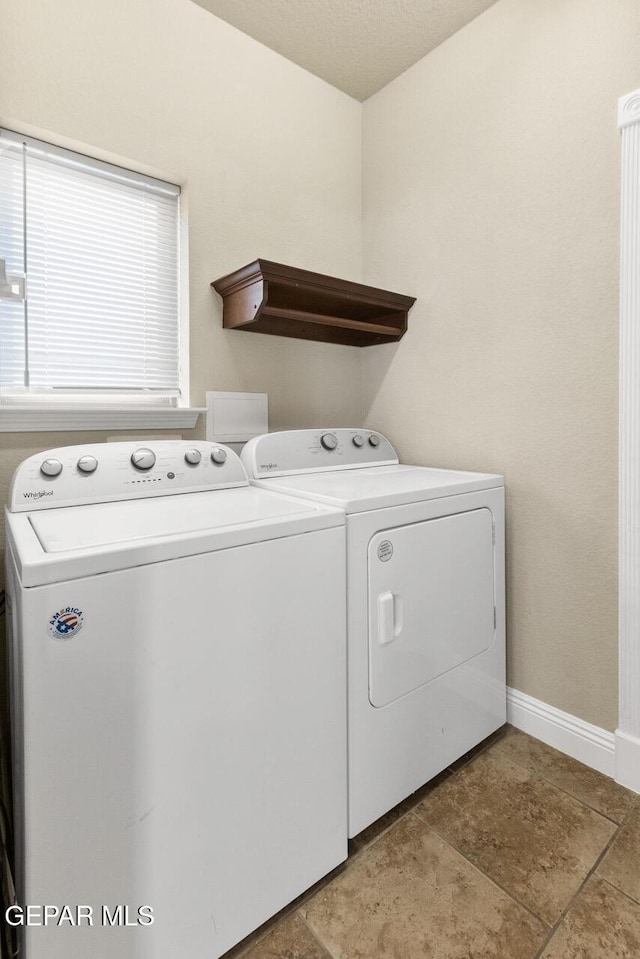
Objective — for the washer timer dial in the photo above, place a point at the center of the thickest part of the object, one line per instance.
(143, 459)
(329, 441)
(87, 464)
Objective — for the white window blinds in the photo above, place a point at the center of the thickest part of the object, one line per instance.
(99, 246)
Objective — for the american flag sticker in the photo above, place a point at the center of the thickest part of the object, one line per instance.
(66, 623)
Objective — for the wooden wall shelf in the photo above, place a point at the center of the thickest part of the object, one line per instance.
(272, 298)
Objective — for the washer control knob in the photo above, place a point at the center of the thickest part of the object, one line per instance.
(87, 464)
(51, 467)
(358, 440)
(329, 441)
(193, 457)
(143, 459)
(219, 456)
(374, 440)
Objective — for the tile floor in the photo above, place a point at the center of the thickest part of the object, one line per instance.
(516, 852)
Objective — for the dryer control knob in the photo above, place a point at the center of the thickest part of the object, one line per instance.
(219, 457)
(51, 467)
(87, 464)
(193, 457)
(329, 441)
(358, 440)
(143, 459)
(374, 440)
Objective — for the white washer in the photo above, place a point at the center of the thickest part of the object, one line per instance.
(179, 707)
(425, 599)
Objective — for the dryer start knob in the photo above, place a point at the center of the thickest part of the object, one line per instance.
(219, 457)
(374, 440)
(51, 467)
(329, 441)
(143, 459)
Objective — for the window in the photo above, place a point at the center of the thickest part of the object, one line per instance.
(89, 282)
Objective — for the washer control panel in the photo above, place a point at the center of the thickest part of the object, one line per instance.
(103, 472)
(312, 451)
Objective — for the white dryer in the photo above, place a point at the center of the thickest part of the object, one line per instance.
(425, 599)
(178, 698)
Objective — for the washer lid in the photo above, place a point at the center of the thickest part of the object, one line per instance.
(70, 542)
(376, 488)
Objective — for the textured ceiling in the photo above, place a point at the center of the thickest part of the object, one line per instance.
(356, 45)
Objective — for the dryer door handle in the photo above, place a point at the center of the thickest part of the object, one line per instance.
(389, 617)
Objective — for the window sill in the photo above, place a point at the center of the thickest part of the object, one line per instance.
(36, 419)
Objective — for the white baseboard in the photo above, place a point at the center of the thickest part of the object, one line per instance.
(588, 744)
(628, 761)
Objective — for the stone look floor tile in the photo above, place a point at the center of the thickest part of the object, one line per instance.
(587, 785)
(290, 939)
(411, 895)
(480, 748)
(371, 833)
(376, 828)
(242, 949)
(535, 841)
(602, 923)
(621, 865)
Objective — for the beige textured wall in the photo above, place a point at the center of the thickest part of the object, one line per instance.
(270, 155)
(491, 192)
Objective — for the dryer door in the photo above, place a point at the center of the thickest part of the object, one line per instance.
(431, 600)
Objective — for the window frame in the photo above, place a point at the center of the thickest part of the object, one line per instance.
(35, 412)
